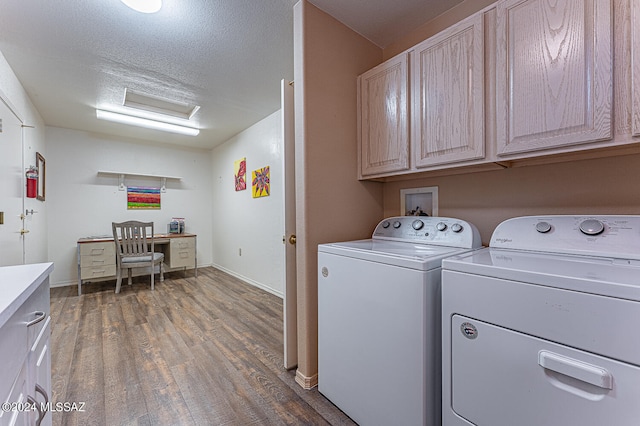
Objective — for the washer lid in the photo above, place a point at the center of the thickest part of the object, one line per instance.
(612, 277)
(404, 254)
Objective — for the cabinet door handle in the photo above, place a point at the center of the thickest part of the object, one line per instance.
(42, 392)
(41, 413)
(40, 316)
(577, 369)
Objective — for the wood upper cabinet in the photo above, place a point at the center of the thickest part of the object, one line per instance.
(554, 74)
(448, 95)
(635, 67)
(383, 118)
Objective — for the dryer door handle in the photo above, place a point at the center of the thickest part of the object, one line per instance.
(577, 369)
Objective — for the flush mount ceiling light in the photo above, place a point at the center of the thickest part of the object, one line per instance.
(146, 122)
(144, 6)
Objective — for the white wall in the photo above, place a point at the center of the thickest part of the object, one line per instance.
(254, 225)
(81, 203)
(34, 141)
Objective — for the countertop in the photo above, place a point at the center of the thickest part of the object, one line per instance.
(104, 238)
(17, 283)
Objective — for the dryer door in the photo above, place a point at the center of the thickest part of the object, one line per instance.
(502, 377)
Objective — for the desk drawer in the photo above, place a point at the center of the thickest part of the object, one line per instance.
(183, 243)
(104, 251)
(182, 252)
(98, 271)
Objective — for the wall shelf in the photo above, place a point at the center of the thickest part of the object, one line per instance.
(123, 175)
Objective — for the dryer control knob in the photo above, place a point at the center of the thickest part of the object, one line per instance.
(441, 226)
(417, 224)
(385, 224)
(543, 227)
(396, 224)
(591, 227)
(456, 227)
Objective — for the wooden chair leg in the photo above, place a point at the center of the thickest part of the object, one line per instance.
(152, 276)
(161, 271)
(118, 280)
(129, 275)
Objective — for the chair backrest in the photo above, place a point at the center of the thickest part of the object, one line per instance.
(133, 238)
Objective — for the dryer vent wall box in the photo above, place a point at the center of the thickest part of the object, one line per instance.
(379, 319)
(537, 329)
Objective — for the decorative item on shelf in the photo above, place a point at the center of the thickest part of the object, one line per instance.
(260, 182)
(32, 182)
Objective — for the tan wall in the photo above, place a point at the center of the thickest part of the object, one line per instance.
(445, 20)
(331, 204)
(599, 186)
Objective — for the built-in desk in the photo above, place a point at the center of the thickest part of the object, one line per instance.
(97, 255)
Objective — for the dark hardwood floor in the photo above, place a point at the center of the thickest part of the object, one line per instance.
(196, 351)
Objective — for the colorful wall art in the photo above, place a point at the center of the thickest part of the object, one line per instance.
(260, 182)
(143, 198)
(240, 174)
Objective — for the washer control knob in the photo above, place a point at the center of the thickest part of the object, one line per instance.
(386, 224)
(591, 227)
(543, 227)
(417, 224)
(441, 226)
(456, 227)
(396, 224)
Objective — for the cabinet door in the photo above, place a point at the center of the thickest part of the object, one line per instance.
(383, 119)
(448, 95)
(554, 74)
(39, 374)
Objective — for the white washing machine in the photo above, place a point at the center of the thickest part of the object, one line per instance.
(542, 327)
(379, 319)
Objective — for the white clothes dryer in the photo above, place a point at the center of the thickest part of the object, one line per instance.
(379, 319)
(541, 327)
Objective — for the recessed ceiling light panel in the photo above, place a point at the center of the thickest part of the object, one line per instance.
(144, 6)
(158, 105)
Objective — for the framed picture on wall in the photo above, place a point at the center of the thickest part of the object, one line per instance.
(40, 165)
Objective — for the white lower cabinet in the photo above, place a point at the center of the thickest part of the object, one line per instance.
(25, 359)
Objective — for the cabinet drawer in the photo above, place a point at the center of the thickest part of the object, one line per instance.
(182, 257)
(14, 343)
(16, 395)
(97, 252)
(183, 243)
(182, 252)
(97, 271)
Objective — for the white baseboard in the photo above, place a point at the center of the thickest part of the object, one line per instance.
(135, 274)
(250, 281)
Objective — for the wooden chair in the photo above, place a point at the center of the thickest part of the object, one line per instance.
(134, 249)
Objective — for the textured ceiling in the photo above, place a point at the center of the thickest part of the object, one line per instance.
(228, 56)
